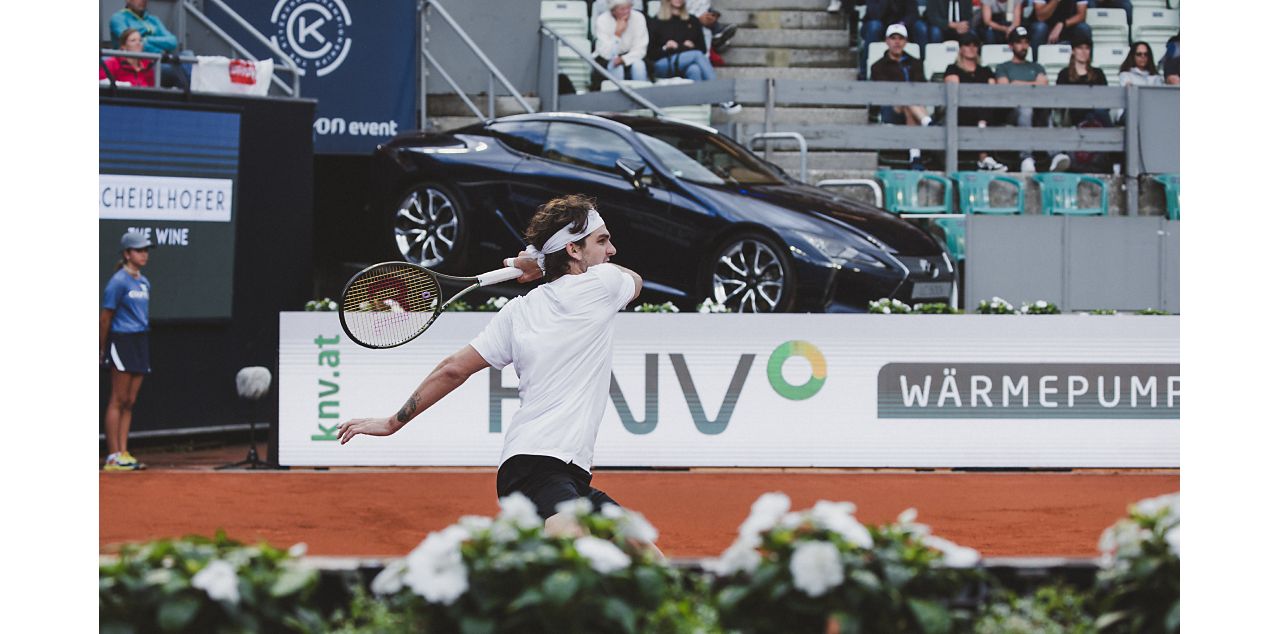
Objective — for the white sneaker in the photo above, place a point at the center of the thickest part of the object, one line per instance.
(1028, 165)
(1060, 163)
(731, 107)
(834, 6)
(992, 165)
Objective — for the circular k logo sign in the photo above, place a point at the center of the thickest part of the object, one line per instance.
(314, 33)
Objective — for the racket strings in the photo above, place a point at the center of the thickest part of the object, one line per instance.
(390, 304)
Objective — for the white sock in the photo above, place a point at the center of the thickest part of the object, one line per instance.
(926, 120)
(913, 154)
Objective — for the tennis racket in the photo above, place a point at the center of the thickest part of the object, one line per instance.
(391, 303)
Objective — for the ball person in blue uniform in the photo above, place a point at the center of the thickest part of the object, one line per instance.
(123, 327)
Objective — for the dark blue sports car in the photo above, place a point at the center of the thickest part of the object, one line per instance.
(694, 213)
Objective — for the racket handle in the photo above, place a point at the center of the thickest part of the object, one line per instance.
(500, 275)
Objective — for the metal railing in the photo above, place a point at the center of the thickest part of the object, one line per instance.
(288, 65)
(424, 10)
(781, 136)
(623, 88)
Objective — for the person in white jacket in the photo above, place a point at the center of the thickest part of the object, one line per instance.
(622, 37)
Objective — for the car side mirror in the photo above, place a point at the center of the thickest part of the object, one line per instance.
(633, 171)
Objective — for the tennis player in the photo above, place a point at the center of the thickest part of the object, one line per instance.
(560, 338)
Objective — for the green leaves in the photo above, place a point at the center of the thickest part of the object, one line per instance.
(560, 587)
(176, 614)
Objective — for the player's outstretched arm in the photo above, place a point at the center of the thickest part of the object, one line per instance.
(445, 378)
(634, 277)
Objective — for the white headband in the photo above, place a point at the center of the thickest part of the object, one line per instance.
(564, 236)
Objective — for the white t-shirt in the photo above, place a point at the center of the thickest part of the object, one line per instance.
(560, 338)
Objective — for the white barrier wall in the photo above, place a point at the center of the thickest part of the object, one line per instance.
(775, 390)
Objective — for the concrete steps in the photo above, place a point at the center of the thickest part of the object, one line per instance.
(772, 5)
(781, 72)
(771, 19)
(790, 38)
(738, 55)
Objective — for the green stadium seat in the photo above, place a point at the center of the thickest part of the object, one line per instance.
(1060, 194)
(974, 193)
(902, 192)
(1172, 195)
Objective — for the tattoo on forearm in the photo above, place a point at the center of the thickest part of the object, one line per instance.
(406, 412)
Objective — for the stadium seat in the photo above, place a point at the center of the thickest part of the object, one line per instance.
(568, 18)
(1172, 195)
(1060, 194)
(1054, 57)
(937, 57)
(993, 54)
(902, 192)
(1110, 27)
(1109, 58)
(1154, 25)
(974, 192)
(652, 8)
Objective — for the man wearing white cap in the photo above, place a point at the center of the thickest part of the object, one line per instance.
(559, 336)
(898, 65)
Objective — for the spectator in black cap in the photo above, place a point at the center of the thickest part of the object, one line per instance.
(968, 69)
(898, 65)
(1058, 21)
(948, 19)
(997, 19)
(1080, 71)
(123, 325)
(1022, 71)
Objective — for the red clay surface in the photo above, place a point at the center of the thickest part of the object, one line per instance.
(382, 513)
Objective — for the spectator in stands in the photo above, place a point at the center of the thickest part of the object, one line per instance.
(882, 13)
(1080, 71)
(155, 37)
(1127, 5)
(129, 70)
(1058, 21)
(897, 65)
(602, 6)
(678, 49)
(947, 19)
(622, 39)
(999, 17)
(716, 33)
(1022, 71)
(1172, 61)
(968, 69)
(1139, 67)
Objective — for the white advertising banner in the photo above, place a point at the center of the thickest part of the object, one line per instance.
(167, 198)
(774, 390)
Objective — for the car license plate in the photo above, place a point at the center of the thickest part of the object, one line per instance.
(931, 289)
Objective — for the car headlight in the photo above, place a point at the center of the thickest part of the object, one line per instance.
(841, 252)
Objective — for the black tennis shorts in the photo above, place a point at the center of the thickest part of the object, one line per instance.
(129, 352)
(548, 481)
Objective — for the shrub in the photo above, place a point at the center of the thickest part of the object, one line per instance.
(665, 307)
(936, 308)
(1039, 307)
(1053, 609)
(197, 584)
(819, 568)
(323, 304)
(1138, 586)
(995, 306)
(887, 306)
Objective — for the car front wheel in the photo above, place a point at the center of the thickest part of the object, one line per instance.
(429, 227)
(751, 274)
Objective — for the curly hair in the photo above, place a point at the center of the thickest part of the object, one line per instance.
(550, 218)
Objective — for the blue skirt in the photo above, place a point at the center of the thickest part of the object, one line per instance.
(129, 352)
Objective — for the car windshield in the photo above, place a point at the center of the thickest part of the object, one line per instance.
(697, 156)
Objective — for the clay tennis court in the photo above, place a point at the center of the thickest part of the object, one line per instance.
(385, 512)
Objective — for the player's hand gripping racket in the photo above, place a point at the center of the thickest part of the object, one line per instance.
(391, 303)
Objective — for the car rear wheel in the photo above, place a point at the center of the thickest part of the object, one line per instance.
(429, 227)
(751, 274)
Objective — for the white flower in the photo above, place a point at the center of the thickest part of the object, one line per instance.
(1151, 507)
(390, 580)
(576, 507)
(218, 580)
(953, 555)
(791, 521)
(907, 520)
(740, 556)
(503, 531)
(475, 524)
(297, 550)
(765, 513)
(1040, 303)
(816, 567)
(1173, 537)
(838, 517)
(634, 526)
(885, 310)
(435, 569)
(520, 511)
(603, 556)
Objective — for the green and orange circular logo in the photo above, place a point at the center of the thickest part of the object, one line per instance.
(817, 367)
